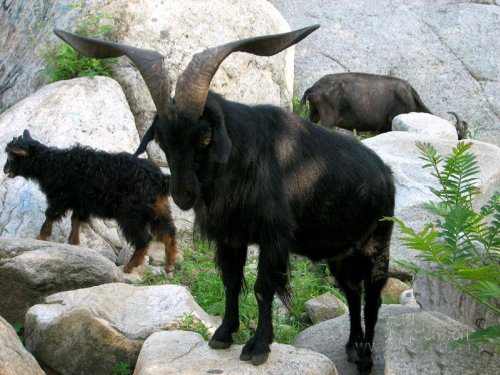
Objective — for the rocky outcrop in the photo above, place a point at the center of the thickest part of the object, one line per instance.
(32, 269)
(92, 112)
(399, 151)
(436, 295)
(324, 307)
(329, 338)
(14, 358)
(393, 288)
(101, 326)
(407, 298)
(447, 50)
(421, 344)
(181, 352)
(178, 29)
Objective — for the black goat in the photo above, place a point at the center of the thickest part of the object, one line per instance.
(461, 125)
(365, 102)
(263, 175)
(96, 183)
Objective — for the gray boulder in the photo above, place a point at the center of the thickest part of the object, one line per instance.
(32, 269)
(178, 29)
(399, 151)
(14, 358)
(426, 124)
(181, 352)
(98, 327)
(420, 343)
(324, 307)
(93, 112)
(447, 50)
(329, 338)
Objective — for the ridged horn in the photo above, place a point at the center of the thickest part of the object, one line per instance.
(149, 63)
(192, 86)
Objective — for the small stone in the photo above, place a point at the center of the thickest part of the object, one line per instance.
(324, 307)
(426, 124)
(393, 288)
(407, 298)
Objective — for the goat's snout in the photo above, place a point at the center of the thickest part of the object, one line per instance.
(184, 198)
(7, 171)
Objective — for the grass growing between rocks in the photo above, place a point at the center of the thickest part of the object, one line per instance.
(64, 62)
(198, 273)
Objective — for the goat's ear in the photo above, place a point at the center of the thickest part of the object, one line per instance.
(26, 135)
(18, 151)
(221, 144)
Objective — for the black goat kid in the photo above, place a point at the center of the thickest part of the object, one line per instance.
(263, 175)
(96, 183)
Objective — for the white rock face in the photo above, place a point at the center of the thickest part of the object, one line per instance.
(398, 150)
(407, 298)
(181, 352)
(14, 358)
(324, 307)
(426, 124)
(32, 269)
(447, 50)
(329, 338)
(419, 343)
(93, 112)
(176, 28)
(100, 326)
(436, 295)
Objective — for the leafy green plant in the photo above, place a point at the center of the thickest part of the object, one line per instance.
(189, 322)
(121, 368)
(19, 328)
(301, 110)
(462, 246)
(64, 62)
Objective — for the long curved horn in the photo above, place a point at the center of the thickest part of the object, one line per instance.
(192, 86)
(456, 116)
(150, 63)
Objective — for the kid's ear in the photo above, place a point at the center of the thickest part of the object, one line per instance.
(26, 135)
(18, 151)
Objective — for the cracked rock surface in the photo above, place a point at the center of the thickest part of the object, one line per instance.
(100, 326)
(181, 352)
(32, 269)
(447, 50)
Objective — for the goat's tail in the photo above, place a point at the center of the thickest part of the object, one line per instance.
(305, 97)
(421, 107)
(148, 137)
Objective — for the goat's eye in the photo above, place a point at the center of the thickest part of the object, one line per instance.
(206, 141)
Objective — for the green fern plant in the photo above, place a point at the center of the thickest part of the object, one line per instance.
(462, 245)
(64, 62)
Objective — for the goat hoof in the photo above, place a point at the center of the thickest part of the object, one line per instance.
(128, 268)
(352, 353)
(214, 344)
(364, 366)
(258, 359)
(246, 356)
(170, 275)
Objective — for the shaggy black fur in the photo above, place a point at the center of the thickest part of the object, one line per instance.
(263, 175)
(98, 184)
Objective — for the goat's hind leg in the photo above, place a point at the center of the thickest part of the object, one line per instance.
(374, 282)
(164, 229)
(350, 283)
(230, 261)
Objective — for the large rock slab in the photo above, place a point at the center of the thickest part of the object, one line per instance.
(421, 344)
(436, 295)
(93, 112)
(14, 358)
(32, 269)
(181, 352)
(101, 326)
(446, 49)
(329, 338)
(177, 29)
(398, 150)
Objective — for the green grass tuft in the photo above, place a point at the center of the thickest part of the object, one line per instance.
(121, 368)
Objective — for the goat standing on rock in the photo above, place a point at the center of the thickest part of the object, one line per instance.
(96, 183)
(260, 174)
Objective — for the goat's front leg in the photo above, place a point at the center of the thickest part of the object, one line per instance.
(74, 236)
(272, 277)
(51, 214)
(230, 261)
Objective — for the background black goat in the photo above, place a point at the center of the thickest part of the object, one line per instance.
(263, 175)
(365, 102)
(96, 183)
